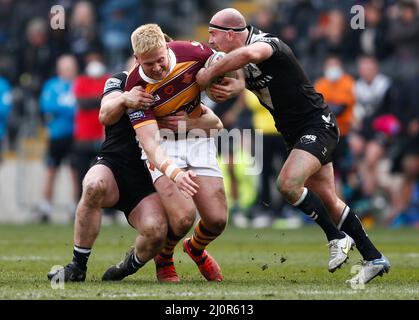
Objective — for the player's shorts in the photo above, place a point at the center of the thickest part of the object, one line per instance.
(196, 154)
(133, 180)
(58, 150)
(319, 136)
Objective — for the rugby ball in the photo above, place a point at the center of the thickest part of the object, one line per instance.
(214, 58)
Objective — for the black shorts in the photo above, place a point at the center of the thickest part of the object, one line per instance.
(133, 180)
(319, 136)
(58, 150)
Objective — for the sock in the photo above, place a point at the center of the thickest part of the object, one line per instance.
(134, 262)
(171, 242)
(81, 256)
(201, 238)
(350, 223)
(312, 206)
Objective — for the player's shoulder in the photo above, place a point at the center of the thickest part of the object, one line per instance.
(256, 35)
(190, 50)
(187, 45)
(116, 81)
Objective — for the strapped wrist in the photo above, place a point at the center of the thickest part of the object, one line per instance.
(164, 165)
(172, 171)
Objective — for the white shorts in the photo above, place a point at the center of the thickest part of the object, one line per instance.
(197, 154)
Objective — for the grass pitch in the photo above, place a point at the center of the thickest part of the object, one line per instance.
(257, 264)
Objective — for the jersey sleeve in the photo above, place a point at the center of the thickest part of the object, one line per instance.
(191, 51)
(115, 83)
(141, 118)
(273, 42)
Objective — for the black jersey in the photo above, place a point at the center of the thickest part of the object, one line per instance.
(120, 138)
(281, 84)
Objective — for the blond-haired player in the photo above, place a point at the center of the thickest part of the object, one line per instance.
(164, 80)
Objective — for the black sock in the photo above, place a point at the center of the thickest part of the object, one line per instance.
(351, 224)
(134, 263)
(81, 256)
(312, 206)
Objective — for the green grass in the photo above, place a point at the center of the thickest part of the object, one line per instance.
(257, 264)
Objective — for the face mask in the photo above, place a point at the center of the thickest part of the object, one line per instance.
(333, 73)
(95, 69)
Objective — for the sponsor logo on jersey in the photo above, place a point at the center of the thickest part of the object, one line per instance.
(136, 115)
(308, 138)
(327, 119)
(169, 89)
(187, 77)
(268, 40)
(112, 83)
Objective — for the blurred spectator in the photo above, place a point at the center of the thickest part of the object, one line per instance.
(404, 36)
(373, 40)
(264, 19)
(405, 198)
(23, 13)
(172, 15)
(82, 32)
(88, 131)
(332, 35)
(338, 90)
(5, 107)
(59, 106)
(375, 125)
(118, 19)
(6, 16)
(297, 19)
(35, 60)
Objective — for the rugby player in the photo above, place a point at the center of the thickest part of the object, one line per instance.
(165, 75)
(308, 126)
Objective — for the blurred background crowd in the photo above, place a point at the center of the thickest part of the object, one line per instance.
(51, 83)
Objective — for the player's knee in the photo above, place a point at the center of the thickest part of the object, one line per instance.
(216, 224)
(93, 191)
(183, 225)
(155, 232)
(287, 186)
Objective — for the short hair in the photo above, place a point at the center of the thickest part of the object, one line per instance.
(146, 38)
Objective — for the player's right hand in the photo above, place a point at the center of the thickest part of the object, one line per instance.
(138, 98)
(185, 183)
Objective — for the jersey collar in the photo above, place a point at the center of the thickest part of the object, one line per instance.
(172, 59)
(252, 32)
(249, 35)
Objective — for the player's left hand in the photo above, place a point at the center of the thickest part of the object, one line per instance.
(228, 88)
(185, 183)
